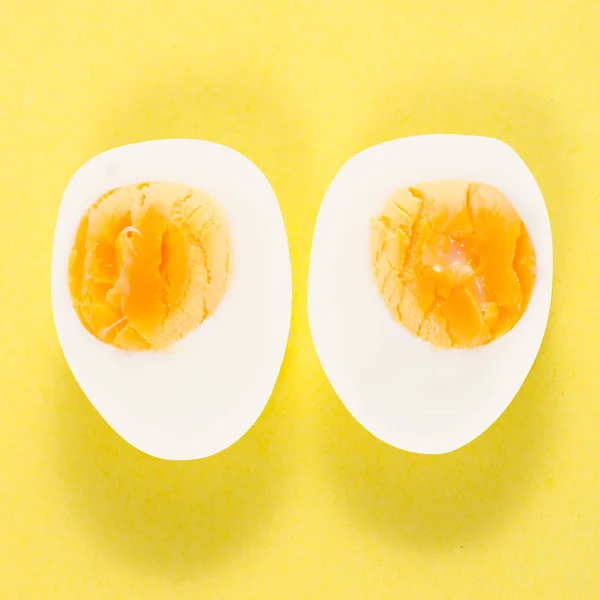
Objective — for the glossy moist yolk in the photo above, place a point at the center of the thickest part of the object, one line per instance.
(150, 262)
(453, 262)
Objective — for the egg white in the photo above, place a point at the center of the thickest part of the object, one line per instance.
(400, 388)
(200, 395)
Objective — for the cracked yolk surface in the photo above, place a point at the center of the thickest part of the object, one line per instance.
(453, 262)
(150, 262)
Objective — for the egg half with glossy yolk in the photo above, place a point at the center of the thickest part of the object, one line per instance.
(171, 293)
(429, 287)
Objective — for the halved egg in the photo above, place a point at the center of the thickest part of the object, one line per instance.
(171, 293)
(429, 287)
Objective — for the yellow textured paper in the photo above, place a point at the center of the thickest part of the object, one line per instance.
(307, 505)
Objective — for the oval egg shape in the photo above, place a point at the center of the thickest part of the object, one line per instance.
(403, 390)
(198, 396)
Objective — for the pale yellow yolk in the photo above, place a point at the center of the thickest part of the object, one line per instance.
(150, 262)
(453, 262)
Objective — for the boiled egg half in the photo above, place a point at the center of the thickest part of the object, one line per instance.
(171, 293)
(429, 287)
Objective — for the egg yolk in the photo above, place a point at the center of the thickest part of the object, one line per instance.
(453, 262)
(149, 263)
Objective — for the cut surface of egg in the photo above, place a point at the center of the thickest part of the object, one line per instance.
(398, 298)
(151, 261)
(171, 293)
(453, 262)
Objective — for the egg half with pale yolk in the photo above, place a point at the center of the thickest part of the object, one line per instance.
(171, 293)
(429, 287)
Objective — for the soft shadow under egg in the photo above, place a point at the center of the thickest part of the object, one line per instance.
(442, 502)
(174, 516)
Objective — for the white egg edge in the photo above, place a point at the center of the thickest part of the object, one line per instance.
(177, 160)
(448, 432)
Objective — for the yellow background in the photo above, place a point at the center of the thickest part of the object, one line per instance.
(307, 505)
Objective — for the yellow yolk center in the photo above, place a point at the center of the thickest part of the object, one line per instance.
(453, 262)
(149, 263)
